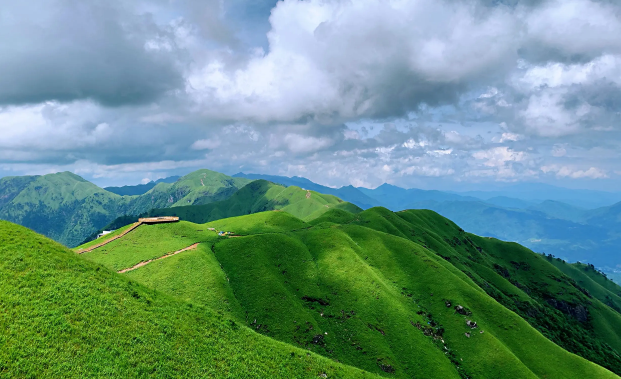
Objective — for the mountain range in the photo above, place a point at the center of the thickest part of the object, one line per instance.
(549, 226)
(68, 209)
(71, 210)
(140, 189)
(260, 278)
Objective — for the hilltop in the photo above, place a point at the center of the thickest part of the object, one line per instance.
(405, 294)
(62, 316)
(68, 209)
(258, 196)
(140, 189)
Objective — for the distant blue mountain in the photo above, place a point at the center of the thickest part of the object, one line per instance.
(397, 198)
(510, 202)
(140, 189)
(544, 218)
(538, 192)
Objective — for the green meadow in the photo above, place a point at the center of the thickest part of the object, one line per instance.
(401, 295)
(63, 316)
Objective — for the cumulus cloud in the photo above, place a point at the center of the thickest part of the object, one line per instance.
(575, 173)
(66, 50)
(367, 58)
(406, 92)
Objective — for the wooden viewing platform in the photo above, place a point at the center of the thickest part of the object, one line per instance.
(157, 220)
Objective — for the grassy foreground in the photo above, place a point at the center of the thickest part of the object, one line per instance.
(61, 316)
(394, 294)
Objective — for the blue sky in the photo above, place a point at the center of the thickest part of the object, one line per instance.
(442, 94)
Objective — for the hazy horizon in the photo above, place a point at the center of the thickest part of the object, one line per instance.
(420, 94)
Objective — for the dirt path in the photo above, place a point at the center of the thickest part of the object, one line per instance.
(157, 259)
(136, 224)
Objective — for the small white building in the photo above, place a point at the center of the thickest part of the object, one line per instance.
(104, 233)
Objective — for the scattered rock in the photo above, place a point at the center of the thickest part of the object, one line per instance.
(471, 324)
(318, 339)
(448, 303)
(467, 334)
(323, 375)
(315, 300)
(386, 368)
(462, 310)
(502, 270)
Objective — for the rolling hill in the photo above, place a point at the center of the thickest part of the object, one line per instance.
(140, 189)
(68, 209)
(351, 193)
(406, 294)
(258, 196)
(62, 316)
(550, 226)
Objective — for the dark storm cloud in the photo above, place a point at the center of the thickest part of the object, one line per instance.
(66, 50)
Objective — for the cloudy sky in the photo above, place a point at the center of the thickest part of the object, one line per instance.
(449, 94)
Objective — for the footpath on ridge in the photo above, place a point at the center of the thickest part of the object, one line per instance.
(136, 224)
(191, 247)
(148, 220)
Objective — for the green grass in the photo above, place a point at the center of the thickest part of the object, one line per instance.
(377, 283)
(69, 209)
(256, 223)
(104, 238)
(62, 316)
(148, 242)
(519, 279)
(260, 196)
(193, 276)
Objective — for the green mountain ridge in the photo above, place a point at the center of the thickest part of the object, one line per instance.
(394, 294)
(257, 196)
(67, 208)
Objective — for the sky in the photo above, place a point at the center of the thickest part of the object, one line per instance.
(446, 94)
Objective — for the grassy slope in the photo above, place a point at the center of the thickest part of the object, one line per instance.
(367, 285)
(198, 187)
(63, 206)
(597, 285)
(105, 237)
(61, 316)
(69, 209)
(520, 280)
(148, 242)
(259, 196)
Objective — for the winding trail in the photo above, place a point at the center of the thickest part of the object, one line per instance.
(136, 224)
(192, 247)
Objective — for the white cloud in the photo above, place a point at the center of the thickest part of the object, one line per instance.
(499, 156)
(209, 143)
(547, 116)
(575, 26)
(559, 151)
(298, 143)
(357, 92)
(363, 58)
(574, 173)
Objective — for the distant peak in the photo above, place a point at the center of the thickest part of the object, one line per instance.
(66, 174)
(388, 186)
